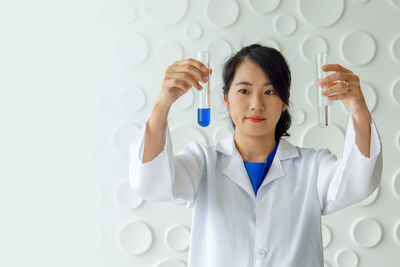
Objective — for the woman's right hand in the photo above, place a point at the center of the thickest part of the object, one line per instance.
(179, 77)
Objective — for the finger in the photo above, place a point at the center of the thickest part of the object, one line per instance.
(337, 76)
(178, 84)
(338, 96)
(196, 64)
(193, 71)
(337, 88)
(187, 78)
(335, 67)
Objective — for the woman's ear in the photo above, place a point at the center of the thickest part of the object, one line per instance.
(224, 100)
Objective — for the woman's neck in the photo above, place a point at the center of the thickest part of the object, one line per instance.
(254, 149)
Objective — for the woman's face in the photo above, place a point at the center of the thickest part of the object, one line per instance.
(252, 94)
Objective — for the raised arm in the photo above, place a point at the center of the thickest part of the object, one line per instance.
(155, 132)
(362, 127)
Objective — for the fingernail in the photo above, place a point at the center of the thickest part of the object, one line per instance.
(204, 68)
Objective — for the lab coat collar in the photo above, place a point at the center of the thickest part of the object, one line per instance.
(285, 149)
(236, 169)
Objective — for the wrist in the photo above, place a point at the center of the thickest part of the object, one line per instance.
(159, 105)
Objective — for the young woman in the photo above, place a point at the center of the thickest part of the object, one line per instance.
(256, 199)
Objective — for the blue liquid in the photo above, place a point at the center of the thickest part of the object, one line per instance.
(203, 116)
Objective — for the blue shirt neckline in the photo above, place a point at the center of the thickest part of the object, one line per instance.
(258, 170)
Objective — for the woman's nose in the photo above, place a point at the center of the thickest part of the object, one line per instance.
(256, 103)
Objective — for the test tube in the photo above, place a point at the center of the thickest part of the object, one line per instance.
(203, 109)
(322, 101)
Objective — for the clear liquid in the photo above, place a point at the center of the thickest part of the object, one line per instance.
(323, 116)
(203, 116)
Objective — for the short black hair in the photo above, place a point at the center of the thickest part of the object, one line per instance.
(275, 68)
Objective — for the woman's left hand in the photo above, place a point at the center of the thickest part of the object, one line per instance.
(338, 89)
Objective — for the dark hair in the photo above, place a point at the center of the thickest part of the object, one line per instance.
(275, 68)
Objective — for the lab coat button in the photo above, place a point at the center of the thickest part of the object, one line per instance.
(260, 254)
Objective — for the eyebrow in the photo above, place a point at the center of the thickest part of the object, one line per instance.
(247, 83)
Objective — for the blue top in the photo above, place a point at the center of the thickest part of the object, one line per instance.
(258, 170)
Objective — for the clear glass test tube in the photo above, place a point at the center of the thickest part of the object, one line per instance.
(203, 109)
(322, 101)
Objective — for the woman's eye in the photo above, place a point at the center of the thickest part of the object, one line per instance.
(271, 92)
(268, 92)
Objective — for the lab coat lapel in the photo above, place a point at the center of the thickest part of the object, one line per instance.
(284, 151)
(236, 170)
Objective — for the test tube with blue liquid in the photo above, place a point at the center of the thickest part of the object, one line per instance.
(203, 109)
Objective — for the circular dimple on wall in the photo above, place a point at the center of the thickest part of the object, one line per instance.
(264, 7)
(370, 199)
(370, 95)
(171, 263)
(361, 1)
(358, 48)
(132, 57)
(168, 52)
(397, 140)
(221, 133)
(285, 24)
(220, 50)
(316, 137)
(185, 134)
(326, 235)
(193, 31)
(298, 116)
(126, 198)
(396, 183)
(396, 232)
(135, 238)
(128, 14)
(177, 237)
(396, 90)
(312, 45)
(132, 98)
(395, 3)
(347, 258)
(185, 101)
(219, 110)
(366, 232)
(222, 19)
(166, 12)
(311, 94)
(122, 137)
(329, 12)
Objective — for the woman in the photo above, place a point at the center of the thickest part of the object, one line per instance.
(256, 199)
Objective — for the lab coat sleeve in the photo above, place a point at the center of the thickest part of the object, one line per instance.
(351, 179)
(167, 177)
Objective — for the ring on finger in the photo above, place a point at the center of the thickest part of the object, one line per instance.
(347, 86)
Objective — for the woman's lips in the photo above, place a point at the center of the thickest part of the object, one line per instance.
(255, 119)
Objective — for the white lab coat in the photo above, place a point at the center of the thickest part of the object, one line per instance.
(281, 227)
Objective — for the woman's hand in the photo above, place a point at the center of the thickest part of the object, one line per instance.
(336, 88)
(179, 77)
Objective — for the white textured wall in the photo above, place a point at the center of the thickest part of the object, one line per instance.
(78, 79)
(141, 38)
